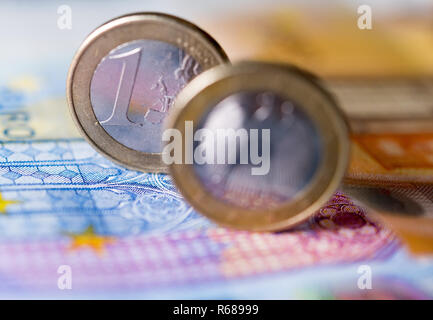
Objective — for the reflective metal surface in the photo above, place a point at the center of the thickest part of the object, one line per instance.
(124, 78)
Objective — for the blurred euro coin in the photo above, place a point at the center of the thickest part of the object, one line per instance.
(256, 146)
(124, 78)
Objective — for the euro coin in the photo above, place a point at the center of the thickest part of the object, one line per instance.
(256, 146)
(124, 78)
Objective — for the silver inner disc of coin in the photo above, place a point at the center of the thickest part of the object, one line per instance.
(134, 87)
(294, 147)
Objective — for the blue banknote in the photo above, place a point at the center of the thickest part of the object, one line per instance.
(128, 234)
(154, 245)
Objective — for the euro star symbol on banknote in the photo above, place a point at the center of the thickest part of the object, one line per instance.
(89, 239)
(4, 203)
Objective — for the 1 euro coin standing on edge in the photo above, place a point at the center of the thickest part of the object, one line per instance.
(256, 146)
(124, 78)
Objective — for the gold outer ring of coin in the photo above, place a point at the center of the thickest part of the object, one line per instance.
(304, 90)
(143, 25)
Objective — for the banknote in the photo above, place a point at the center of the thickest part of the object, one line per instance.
(363, 68)
(406, 208)
(391, 171)
(120, 231)
(399, 152)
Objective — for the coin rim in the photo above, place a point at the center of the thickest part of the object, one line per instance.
(212, 86)
(86, 122)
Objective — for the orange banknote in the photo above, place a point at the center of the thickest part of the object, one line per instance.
(392, 173)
